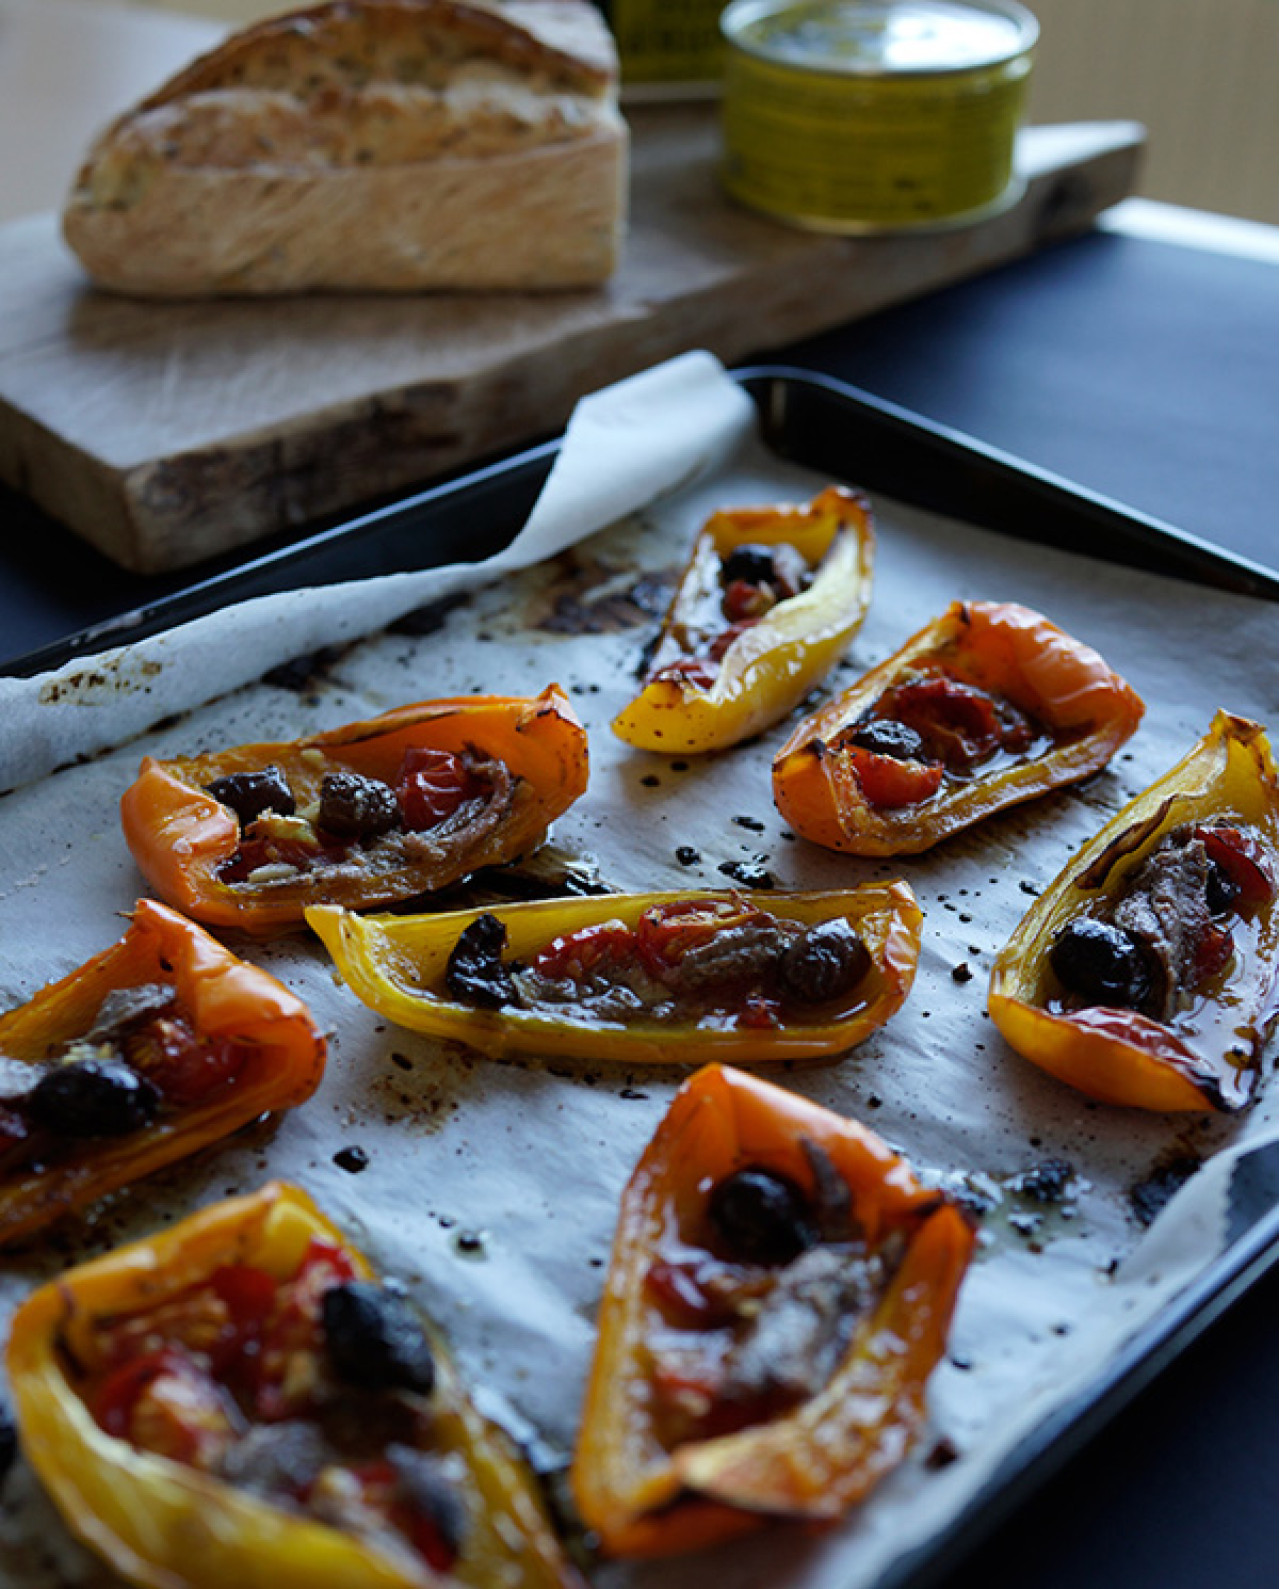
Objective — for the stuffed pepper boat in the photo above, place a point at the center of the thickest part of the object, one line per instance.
(1145, 974)
(989, 705)
(672, 978)
(363, 815)
(152, 1050)
(766, 607)
(239, 1401)
(780, 1290)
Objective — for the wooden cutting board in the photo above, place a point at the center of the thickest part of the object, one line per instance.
(164, 433)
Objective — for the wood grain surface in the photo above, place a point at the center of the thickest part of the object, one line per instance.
(164, 433)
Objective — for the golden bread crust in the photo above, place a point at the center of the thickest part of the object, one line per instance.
(368, 145)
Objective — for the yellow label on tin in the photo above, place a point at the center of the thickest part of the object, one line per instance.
(837, 150)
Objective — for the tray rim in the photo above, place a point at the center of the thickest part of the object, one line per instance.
(1197, 554)
(1248, 1257)
(269, 571)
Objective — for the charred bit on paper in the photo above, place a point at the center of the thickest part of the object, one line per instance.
(118, 676)
(430, 618)
(1167, 1177)
(1034, 1203)
(589, 596)
(551, 872)
(751, 873)
(304, 673)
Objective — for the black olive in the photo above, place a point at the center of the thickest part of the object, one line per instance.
(92, 1098)
(476, 972)
(374, 1338)
(752, 563)
(1101, 963)
(430, 1492)
(883, 736)
(1221, 889)
(249, 794)
(760, 1216)
(1046, 1182)
(824, 962)
(354, 807)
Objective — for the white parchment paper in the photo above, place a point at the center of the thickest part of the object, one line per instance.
(492, 1188)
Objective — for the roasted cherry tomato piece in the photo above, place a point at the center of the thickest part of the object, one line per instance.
(293, 1329)
(889, 784)
(958, 724)
(167, 1404)
(575, 956)
(431, 786)
(666, 933)
(182, 1065)
(1243, 858)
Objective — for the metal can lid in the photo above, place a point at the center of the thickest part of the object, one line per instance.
(881, 38)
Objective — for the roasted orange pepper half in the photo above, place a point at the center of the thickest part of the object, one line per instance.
(363, 815)
(707, 1413)
(152, 1050)
(148, 1389)
(669, 978)
(766, 607)
(989, 705)
(1145, 974)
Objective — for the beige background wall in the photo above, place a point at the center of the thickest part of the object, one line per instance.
(1201, 74)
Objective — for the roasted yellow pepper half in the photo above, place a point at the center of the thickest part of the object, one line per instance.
(693, 1430)
(165, 1524)
(665, 977)
(1164, 927)
(986, 706)
(362, 815)
(747, 637)
(236, 1045)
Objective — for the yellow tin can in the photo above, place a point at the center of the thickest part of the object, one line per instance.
(874, 115)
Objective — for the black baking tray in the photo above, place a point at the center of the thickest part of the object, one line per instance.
(810, 419)
(837, 431)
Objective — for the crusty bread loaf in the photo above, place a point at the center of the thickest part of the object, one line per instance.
(368, 145)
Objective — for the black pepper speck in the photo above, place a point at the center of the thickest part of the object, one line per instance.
(751, 874)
